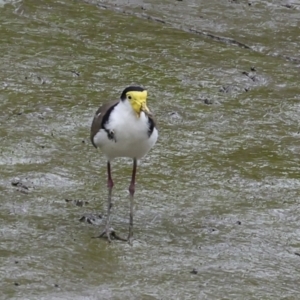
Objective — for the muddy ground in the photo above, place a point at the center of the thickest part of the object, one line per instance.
(217, 209)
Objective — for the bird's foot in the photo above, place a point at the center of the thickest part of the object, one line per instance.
(110, 233)
(130, 239)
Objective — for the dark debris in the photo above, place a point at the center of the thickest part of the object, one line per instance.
(22, 186)
(76, 73)
(42, 80)
(228, 89)
(91, 219)
(17, 182)
(23, 191)
(206, 101)
(288, 5)
(79, 203)
(250, 76)
(175, 115)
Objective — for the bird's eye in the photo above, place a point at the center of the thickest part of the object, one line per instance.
(129, 97)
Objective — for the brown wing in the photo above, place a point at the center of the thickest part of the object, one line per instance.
(100, 116)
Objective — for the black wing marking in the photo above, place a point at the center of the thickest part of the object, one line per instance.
(151, 124)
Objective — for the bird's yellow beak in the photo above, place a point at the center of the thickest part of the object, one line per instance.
(138, 101)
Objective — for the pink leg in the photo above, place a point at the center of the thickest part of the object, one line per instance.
(108, 230)
(131, 192)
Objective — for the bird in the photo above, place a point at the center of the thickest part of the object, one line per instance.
(124, 128)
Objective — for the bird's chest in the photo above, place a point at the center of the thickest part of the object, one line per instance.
(129, 128)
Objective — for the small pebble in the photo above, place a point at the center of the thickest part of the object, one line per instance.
(207, 101)
(16, 284)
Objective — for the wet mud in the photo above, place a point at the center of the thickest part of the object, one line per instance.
(217, 198)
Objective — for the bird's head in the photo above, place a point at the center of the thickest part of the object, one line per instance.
(137, 97)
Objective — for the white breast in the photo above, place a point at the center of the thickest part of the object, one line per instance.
(130, 132)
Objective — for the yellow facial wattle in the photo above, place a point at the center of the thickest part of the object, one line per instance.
(138, 101)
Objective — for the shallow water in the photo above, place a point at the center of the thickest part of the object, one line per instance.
(219, 193)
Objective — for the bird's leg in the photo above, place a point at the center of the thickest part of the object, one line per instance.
(110, 185)
(108, 230)
(131, 192)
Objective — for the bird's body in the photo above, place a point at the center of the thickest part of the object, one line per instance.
(133, 137)
(124, 128)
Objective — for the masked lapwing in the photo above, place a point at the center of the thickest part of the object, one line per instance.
(124, 128)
